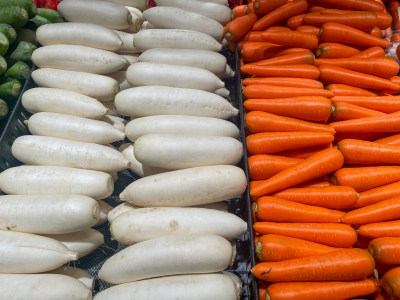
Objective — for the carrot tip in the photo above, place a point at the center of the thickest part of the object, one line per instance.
(258, 248)
(256, 5)
(228, 35)
(320, 32)
(318, 52)
(255, 208)
(335, 181)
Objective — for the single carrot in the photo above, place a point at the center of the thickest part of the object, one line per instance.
(331, 234)
(285, 81)
(372, 52)
(264, 166)
(386, 123)
(340, 33)
(281, 13)
(254, 51)
(391, 283)
(289, 59)
(250, 9)
(376, 31)
(365, 136)
(239, 11)
(291, 39)
(308, 29)
(333, 197)
(273, 247)
(348, 90)
(317, 109)
(295, 21)
(390, 140)
(303, 153)
(272, 142)
(395, 79)
(380, 293)
(273, 209)
(262, 290)
(252, 36)
(314, 7)
(386, 104)
(237, 28)
(348, 264)
(394, 6)
(262, 7)
(385, 250)
(365, 5)
(276, 28)
(333, 74)
(260, 121)
(378, 194)
(381, 229)
(328, 290)
(335, 50)
(346, 111)
(317, 165)
(264, 91)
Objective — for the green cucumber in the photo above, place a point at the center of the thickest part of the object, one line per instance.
(50, 14)
(22, 52)
(9, 32)
(3, 109)
(10, 90)
(4, 44)
(3, 65)
(26, 35)
(16, 16)
(28, 5)
(36, 22)
(19, 70)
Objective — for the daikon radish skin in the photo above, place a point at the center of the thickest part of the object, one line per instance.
(62, 101)
(115, 121)
(147, 73)
(82, 275)
(120, 76)
(48, 180)
(30, 253)
(205, 59)
(162, 100)
(105, 208)
(43, 150)
(136, 24)
(48, 214)
(100, 87)
(181, 151)
(236, 280)
(223, 92)
(105, 13)
(147, 25)
(181, 287)
(165, 17)
(142, 224)
(174, 38)
(127, 42)
(187, 187)
(73, 128)
(139, 4)
(89, 35)
(135, 11)
(168, 255)
(131, 58)
(82, 242)
(111, 111)
(229, 73)
(42, 287)
(221, 2)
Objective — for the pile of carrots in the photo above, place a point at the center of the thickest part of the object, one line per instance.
(323, 122)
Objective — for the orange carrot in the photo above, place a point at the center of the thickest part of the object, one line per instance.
(308, 29)
(386, 123)
(295, 21)
(281, 13)
(260, 121)
(334, 74)
(254, 51)
(395, 79)
(237, 28)
(252, 36)
(317, 109)
(239, 11)
(333, 197)
(317, 165)
(370, 53)
(362, 242)
(382, 229)
(348, 264)
(316, 7)
(272, 142)
(265, 6)
(391, 283)
(291, 39)
(300, 70)
(365, 136)
(346, 111)
(273, 209)
(340, 33)
(303, 152)
(390, 140)
(285, 81)
(376, 31)
(380, 293)
(348, 90)
(264, 91)
(319, 182)
(384, 20)
(394, 6)
(276, 28)
(328, 290)
(335, 50)
(273, 247)
(366, 5)
(263, 166)
(289, 59)
(378, 194)
(262, 289)
(386, 104)
(385, 250)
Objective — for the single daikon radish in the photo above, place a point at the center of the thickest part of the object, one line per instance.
(177, 18)
(48, 214)
(223, 92)
(127, 42)
(105, 208)
(174, 38)
(120, 76)
(89, 35)
(187, 287)
(168, 255)
(82, 242)
(236, 280)
(42, 287)
(62, 101)
(82, 275)
(73, 128)
(229, 73)
(100, 87)
(49, 151)
(139, 4)
(131, 58)
(136, 24)
(187, 187)
(205, 59)
(117, 122)
(30, 253)
(135, 11)
(147, 25)
(50, 180)
(111, 111)
(99, 12)
(141, 224)
(162, 100)
(147, 73)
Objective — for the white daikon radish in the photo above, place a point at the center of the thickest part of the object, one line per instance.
(205, 59)
(49, 180)
(180, 151)
(99, 12)
(82, 275)
(165, 17)
(49, 151)
(30, 253)
(105, 208)
(135, 11)
(89, 35)
(218, 12)
(78, 58)
(236, 280)
(222, 2)
(187, 187)
(139, 4)
(147, 25)
(147, 73)
(117, 122)
(223, 92)
(120, 76)
(48, 214)
(131, 58)
(229, 73)
(73, 128)
(111, 110)
(127, 45)
(135, 166)
(141, 224)
(100, 87)
(176, 124)
(181, 287)
(174, 38)
(82, 242)
(136, 24)
(42, 287)
(61, 101)
(168, 255)
(224, 44)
